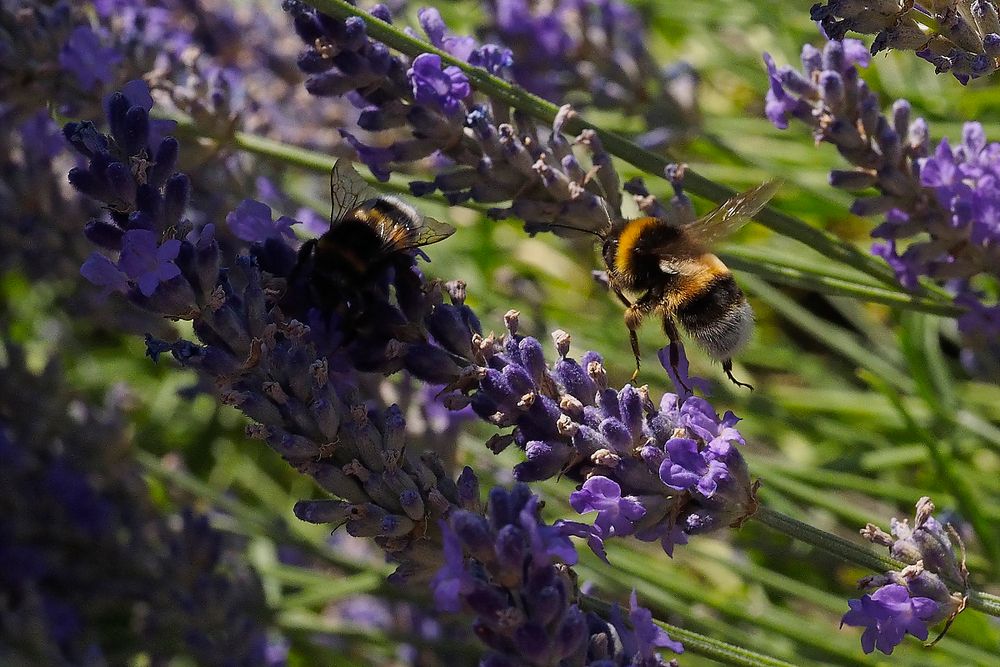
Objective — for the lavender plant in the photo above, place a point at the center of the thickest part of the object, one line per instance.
(659, 472)
(931, 588)
(306, 402)
(937, 200)
(961, 37)
(429, 109)
(374, 390)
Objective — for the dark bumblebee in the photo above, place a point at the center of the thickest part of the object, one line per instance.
(675, 275)
(345, 270)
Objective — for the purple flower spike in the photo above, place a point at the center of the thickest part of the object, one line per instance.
(433, 85)
(146, 262)
(615, 514)
(888, 615)
(85, 57)
(941, 204)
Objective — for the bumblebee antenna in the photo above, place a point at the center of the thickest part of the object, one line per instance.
(575, 229)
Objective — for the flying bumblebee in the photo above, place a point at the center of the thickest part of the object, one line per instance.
(671, 269)
(369, 233)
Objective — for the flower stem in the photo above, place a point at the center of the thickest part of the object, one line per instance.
(853, 553)
(698, 643)
(647, 161)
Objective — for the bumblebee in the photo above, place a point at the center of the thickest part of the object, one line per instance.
(674, 274)
(344, 271)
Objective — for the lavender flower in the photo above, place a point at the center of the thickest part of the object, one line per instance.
(594, 52)
(965, 39)
(657, 472)
(87, 59)
(507, 568)
(417, 110)
(433, 85)
(252, 221)
(939, 202)
(644, 637)
(298, 382)
(888, 615)
(920, 595)
(615, 514)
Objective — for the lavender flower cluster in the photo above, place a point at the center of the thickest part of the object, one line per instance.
(920, 595)
(661, 472)
(957, 36)
(419, 110)
(258, 360)
(939, 202)
(301, 383)
(594, 53)
(91, 571)
(509, 569)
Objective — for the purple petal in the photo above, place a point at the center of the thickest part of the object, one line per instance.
(100, 271)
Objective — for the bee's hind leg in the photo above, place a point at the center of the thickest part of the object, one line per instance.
(633, 318)
(727, 365)
(674, 349)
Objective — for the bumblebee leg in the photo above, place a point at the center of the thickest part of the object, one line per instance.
(621, 297)
(634, 315)
(727, 365)
(633, 318)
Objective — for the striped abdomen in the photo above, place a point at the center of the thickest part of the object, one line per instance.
(715, 312)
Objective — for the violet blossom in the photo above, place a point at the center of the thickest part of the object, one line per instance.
(661, 473)
(508, 569)
(939, 202)
(930, 589)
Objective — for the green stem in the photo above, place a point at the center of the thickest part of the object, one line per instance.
(776, 272)
(698, 643)
(838, 546)
(853, 553)
(647, 161)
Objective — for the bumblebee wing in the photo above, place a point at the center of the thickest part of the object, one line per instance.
(730, 216)
(347, 190)
(419, 233)
(431, 231)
